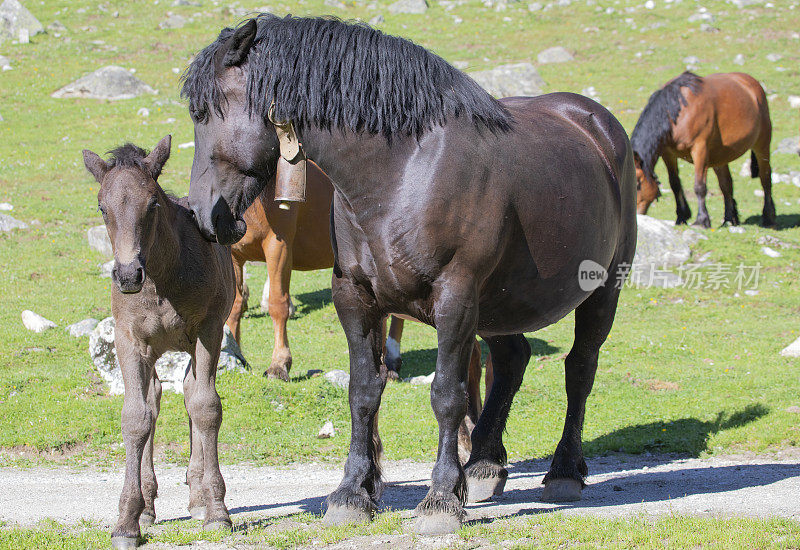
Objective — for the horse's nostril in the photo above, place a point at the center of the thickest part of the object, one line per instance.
(139, 275)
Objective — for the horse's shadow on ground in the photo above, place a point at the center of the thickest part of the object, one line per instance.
(307, 302)
(782, 221)
(421, 362)
(636, 487)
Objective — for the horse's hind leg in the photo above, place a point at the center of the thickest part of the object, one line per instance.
(355, 500)
(137, 425)
(682, 210)
(239, 302)
(279, 268)
(593, 320)
(194, 473)
(149, 483)
(486, 475)
(768, 218)
(726, 186)
(474, 404)
(392, 358)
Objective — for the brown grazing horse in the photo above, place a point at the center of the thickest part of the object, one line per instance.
(287, 240)
(708, 121)
(172, 291)
(473, 215)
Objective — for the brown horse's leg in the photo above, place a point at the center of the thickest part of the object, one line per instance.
(205, 410)
(279, 267)
(700, 189)
(194, 473)
(239, 303)
(593, 320)
(726, 186)
(149, 483)
(486, 476)
(137, 424)
(768, 218)
(682, 210)
(474, 404)
(392, 357)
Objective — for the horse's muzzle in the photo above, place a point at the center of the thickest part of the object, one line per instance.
(129, 278)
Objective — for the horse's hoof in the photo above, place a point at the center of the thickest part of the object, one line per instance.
(392, 375)
(480, 490)
(122, 543)
(277, 373)
(146, 520)
(198, 512)
(562, 490)
(342, 515)
(439, 523)
(218, 525)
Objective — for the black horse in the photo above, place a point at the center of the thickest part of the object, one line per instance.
(470, 214)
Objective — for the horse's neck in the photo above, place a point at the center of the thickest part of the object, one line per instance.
(164, 254)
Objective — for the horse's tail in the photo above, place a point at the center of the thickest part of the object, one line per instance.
(753, 165)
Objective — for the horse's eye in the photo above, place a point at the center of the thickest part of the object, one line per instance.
(153, 204)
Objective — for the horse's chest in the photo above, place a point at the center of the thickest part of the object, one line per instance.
(160, 324)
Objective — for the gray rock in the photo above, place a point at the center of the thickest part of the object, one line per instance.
(659, 247)
(792, 350)
(187, 3)
(690, 236)
(82, 328)
(338, 378)
(171, 367)
(556, 54)
(326, 431)
(739, 59)
(789, 146)
(173, 21)
(745, 3)
(702, 16)
(377, 20)
(408, 6)
(98, 240)
(16, 21)
(4, 62)
(515, 79)
(106, 268)
(534, 6)
(7, 223)
(6, 206)
(774, 57)
(35, 322)
(335, 4)
(421, 380)
(56, 27)
(109, 82)
(653, 276)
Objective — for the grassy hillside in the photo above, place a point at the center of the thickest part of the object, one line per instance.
(691, 371)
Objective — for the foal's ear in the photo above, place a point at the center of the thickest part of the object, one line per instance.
(158, 157)
(95, 165)
(239, 44)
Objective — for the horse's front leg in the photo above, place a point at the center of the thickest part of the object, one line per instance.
(355, 500)
(700, 172)
(137, 425)
(682, 210)
(456, 316)
(149, 482)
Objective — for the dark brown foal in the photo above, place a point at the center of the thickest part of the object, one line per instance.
(172, 291)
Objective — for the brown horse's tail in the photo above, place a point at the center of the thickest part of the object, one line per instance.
(753, 165)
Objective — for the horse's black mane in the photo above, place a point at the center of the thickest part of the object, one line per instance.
(127, 155)
(331, 74)
(654, 124)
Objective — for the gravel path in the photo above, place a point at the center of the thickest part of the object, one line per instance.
(619, 485)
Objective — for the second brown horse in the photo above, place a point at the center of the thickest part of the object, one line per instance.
(709, 121)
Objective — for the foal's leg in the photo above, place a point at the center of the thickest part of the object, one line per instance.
(149, 483)
(593, 320)
(239, 303)
(682, 210)
(355, 500)
(442, 510)
(700, 189)
(194, 473)
(768, 218)
(726, 186)
(486, 476)
(279, 269)
(392, 358)
(137, 425)
(205, 410)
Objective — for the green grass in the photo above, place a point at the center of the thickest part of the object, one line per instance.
(725, 389)
(538, 531)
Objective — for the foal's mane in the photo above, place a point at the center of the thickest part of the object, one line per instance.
(331, 74)
(654, 124)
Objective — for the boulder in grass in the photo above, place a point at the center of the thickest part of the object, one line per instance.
(99, 240)
(409, 6)
(792, 350)
(515, 79)
(111, 82)
(659, 247)
(7, 223)
(82, 328)
(35, 322)
(17, 21)
(326, 431)
(556, 54)
(338, 378)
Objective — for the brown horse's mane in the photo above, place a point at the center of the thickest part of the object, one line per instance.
(655, 122)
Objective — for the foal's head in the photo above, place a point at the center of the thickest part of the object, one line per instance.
(647, 190)
(129, 199)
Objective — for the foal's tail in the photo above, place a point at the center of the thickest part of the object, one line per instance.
(753, 165)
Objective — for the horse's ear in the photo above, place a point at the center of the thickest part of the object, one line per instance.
(95, 165)
(156, 160)
(239, 44)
